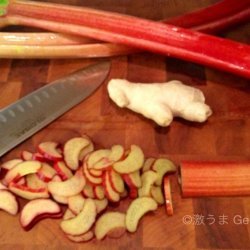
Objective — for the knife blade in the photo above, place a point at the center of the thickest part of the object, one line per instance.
(31, 113)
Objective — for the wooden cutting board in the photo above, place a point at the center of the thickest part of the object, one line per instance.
(204, 223)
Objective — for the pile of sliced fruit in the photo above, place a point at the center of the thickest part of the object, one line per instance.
(77, 182)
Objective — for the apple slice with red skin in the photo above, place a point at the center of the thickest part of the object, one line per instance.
(92, 179)
(108, 222)
(10, 164)
(101, 205)
(33, 181)
(148, 180)
(82, 222)
(2, 187)
(88, 191)
(72, 150)
(70, 187)
(39, 157)
(111, 194)
(8, 202)
(116, 181)
(50, 150)
(46, 172)
(27, 192)
(133, 162)
(62, 170)
(85, 151)
(20, 170)
(68, 214)
(95, 172)
(168, 196)
(38, 209)
(157, 194)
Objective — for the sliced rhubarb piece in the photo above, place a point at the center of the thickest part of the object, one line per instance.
(20, 170)
(148, 179)
(133, 162)
(76, 203)
(10, 164)
(62, 170)
(27, 192)
(116, 181)
(137, 209)
(163, 166)
(92, 179)
(38, 209)
(168, 196)
(72, 151)
(50, 150)
(108, 222)
(111, 194)
(70, 187)
(8, 202)
(215, 178)
(82, 222)
(82, 237)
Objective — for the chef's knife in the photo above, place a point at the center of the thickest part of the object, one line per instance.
(31, 113)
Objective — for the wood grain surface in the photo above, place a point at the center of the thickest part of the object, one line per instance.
(204, 223)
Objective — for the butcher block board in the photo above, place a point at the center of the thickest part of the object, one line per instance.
(201, 223)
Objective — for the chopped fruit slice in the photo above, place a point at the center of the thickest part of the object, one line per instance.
(38, 209)
(26, 155)
(33, 181)
(116, 232)
(124, 194)
(161, 167)
(88, 191)
(148, 179)
(99, 192)
(108, 222)
(39, 157)
(68, 214)
(27, 192)
(85, 151)
(46, 172)
(133, 162)
(82, 222)
(116, 181)
(137, 209)
(93, 180)
(10, 164)
(76, 203)
(59, 198)
(168, 196)
(81, 238)
(148, 164)
(21, 181)
(117, 152)
(133, 179)
(62, 170)
(70, 187)
(104, 164)
(2, 187)
(157, 194)
(8, 202)
(133, 193)
(97, 156)
(50, 151)
(111, 194)
(72, 151)
(95, 172)
(21, 169)
(101, 205)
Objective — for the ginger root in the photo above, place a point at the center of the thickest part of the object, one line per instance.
(160, 102)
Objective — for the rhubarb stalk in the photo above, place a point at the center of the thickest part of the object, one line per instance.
(214, 18)
(200, 179)
(135, 32)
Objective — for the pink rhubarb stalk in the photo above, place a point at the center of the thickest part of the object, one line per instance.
(135, 32)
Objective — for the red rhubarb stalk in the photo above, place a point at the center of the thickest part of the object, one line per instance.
(136, 32)
(214, 18)
(200, 179)
(168, 195)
